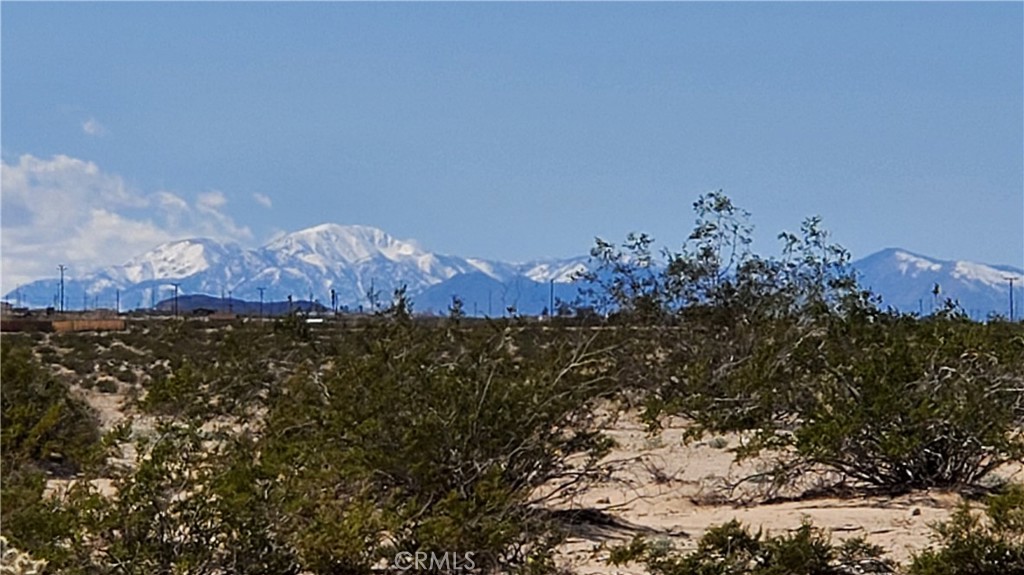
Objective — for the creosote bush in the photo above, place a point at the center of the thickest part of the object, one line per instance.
(970, 543)
(283, 447)
(403, 436)
(439, 437)
(43, 426)
(793, 352)
(731, 549)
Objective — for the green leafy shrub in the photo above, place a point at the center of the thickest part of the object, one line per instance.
(915, 405)
(970, 543)
(45, 432)
(189, 505)
(437, 437)
(791, 351)
(731, 549)
(43, 426)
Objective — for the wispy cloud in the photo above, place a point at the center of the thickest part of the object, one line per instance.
(263, 200)
(211, 201)
(66, 210)
(93, 127)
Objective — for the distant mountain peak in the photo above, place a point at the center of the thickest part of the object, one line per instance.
(178, 259)
(349, 243)
(347, 262)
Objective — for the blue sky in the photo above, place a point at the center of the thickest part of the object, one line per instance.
(508, 131)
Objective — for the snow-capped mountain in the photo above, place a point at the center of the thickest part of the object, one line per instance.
(906, 281)
(354, 261)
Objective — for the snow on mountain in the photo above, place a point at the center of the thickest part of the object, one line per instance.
(908, 262)
(906, 280)
(559, 271)
(988, 275)
(180, 259)
(328, 244)
(353, 261)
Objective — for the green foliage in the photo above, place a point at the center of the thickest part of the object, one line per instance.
(288, 447)
(437, 436)
(43, 426)
(731, 549)
(792, 350)
(400, 435)
(972, 544)
(910, 404)
(233, 376)
(45, 432)
(189, 505)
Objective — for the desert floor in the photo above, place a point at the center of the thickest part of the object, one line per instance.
(667, 488)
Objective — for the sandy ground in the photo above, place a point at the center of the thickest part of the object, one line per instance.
(668, 489)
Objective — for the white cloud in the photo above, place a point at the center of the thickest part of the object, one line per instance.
(92, 127)
(66, 210)
(211, 200)
(263, 200)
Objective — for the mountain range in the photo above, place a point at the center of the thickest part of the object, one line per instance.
(363, 265)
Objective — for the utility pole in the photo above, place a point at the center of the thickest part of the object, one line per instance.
(1011, 279)
(261, 300)
(334, 301)
(117, 300)
(62, 267)
(85, 301)
(231, 304)
(176, 286)
(551, 299)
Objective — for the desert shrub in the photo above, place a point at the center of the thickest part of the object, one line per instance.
(45, 432)
(792, 351)
(914, 405)
(233, 377)
(188, 505)
(49, 355)
(178, 394)
(891, 402)
(731, 549)
(43, 425)
(438, 438)
(404, 437)
(126, 374)
(988, 543)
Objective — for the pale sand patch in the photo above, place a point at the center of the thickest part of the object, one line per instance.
(673, 490)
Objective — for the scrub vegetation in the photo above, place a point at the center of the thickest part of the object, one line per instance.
(284, 447)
